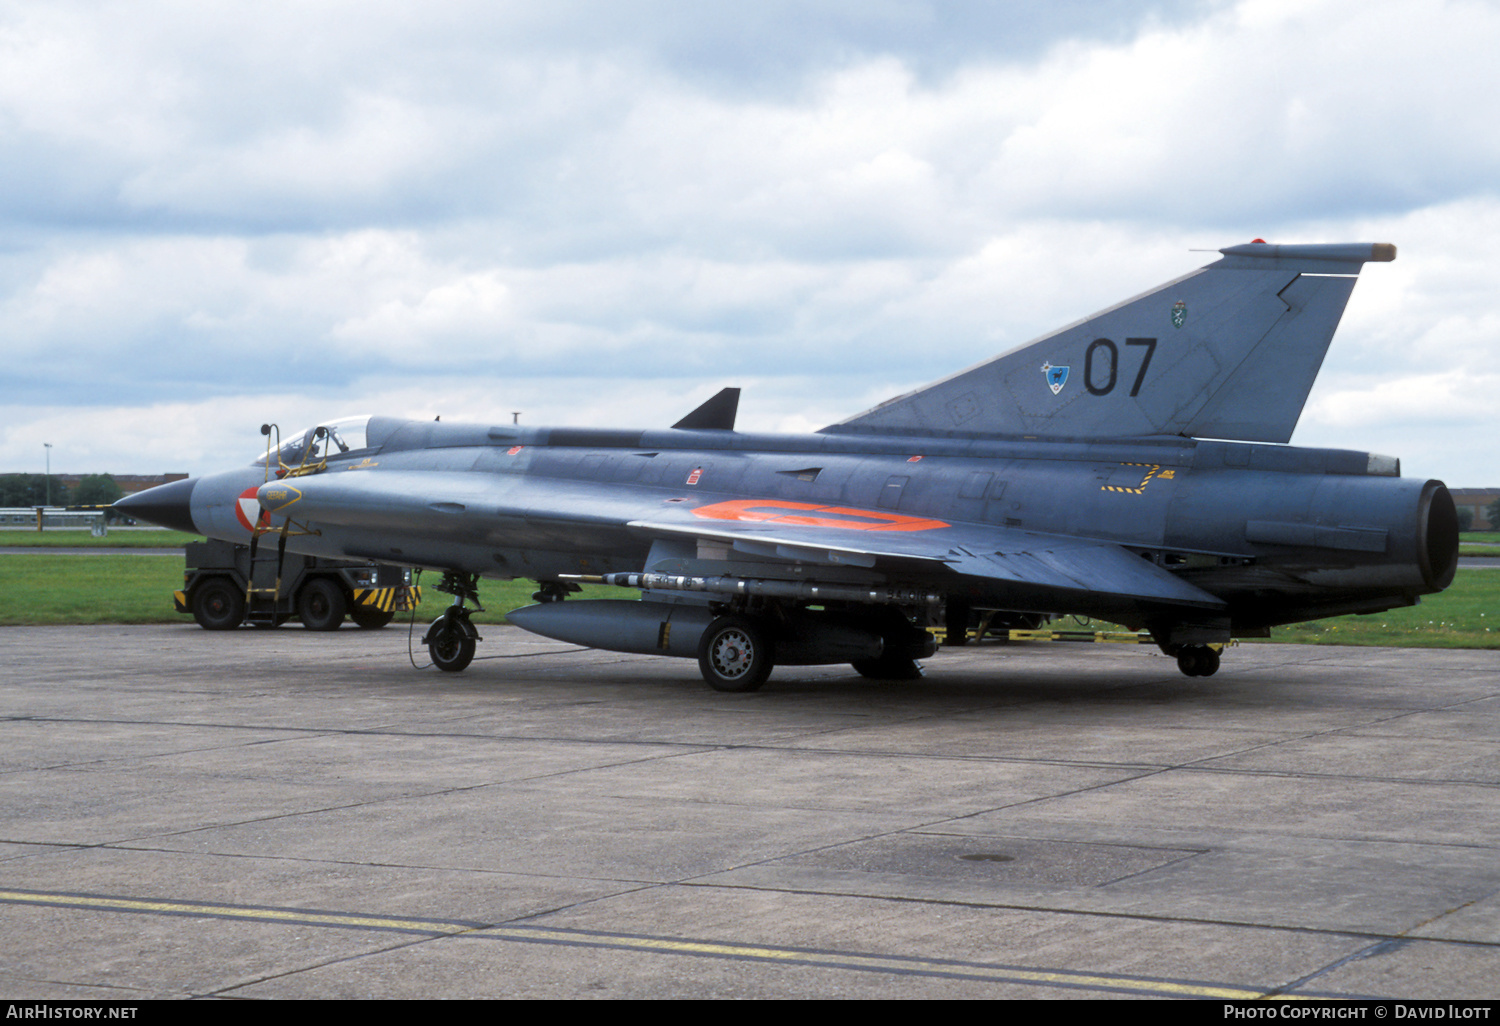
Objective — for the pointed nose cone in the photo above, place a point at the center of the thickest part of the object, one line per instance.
(169, 505)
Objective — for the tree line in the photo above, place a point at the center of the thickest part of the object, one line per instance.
(34, 490)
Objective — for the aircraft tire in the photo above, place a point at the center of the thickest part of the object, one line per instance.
(449, 645)
(372, 619)
(1187, 660)
(1198, 661)
(1210, 664)
(218, 605)
(734, 654)
(321, 605)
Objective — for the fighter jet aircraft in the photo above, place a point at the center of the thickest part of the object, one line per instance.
(1128, 467)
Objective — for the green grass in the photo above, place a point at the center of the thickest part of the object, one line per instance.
(1467, 615)
(116, 539)
(138, 590)
(76, 589)
(1470, 543)
(48, 589)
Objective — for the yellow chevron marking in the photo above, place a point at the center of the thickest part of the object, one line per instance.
(1153, 469)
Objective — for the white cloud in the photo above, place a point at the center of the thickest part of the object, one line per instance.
(219, 205)
(1446, 399)
(472, 308)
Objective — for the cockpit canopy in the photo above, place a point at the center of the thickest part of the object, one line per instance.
(325, 441)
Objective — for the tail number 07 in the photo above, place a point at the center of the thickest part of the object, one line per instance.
(1100, 380)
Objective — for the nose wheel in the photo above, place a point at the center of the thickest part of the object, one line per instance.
(451, 641)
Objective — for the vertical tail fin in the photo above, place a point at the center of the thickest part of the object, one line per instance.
(1228, 351)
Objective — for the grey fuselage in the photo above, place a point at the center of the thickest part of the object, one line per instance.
(1280, 534)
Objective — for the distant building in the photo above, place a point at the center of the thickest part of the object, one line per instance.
(1478, 500)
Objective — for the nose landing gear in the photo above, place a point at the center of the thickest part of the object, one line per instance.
(452, 639)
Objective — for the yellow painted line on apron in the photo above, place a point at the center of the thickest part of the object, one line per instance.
(188, 908)
(908, 965)
(897, 964)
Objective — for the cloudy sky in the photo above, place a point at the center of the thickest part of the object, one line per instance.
(217, 214)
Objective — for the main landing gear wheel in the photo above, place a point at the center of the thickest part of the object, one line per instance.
(218, 605)
(734, 654)
(1198, 660)
(449, 644)
(372, 619)
(321, 605)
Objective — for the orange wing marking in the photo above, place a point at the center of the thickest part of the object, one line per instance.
(805, 514)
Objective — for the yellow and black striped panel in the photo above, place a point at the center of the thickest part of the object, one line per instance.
(388, 600)
(383, 599)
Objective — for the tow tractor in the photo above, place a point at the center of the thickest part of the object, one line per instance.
(223, 587)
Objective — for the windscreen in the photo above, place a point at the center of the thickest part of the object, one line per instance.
(326, 441)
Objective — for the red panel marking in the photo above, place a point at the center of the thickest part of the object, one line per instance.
(776, 511)
(245, 505)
